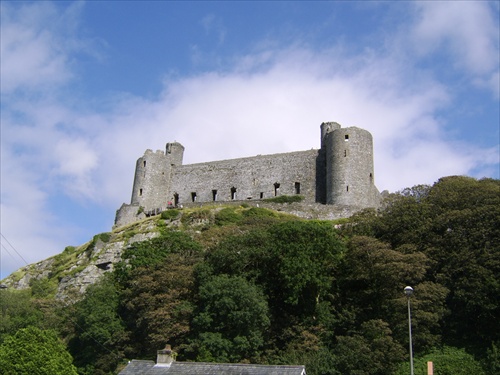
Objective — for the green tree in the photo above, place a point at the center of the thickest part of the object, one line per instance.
(154, 252)
(455, 224)
(371, 351)
(17, 311)
(158, 304)
(446, 361)
(462, 236)
(295, 263)
(99, 330)
(231, 320)
(378, 276)
(34, 351)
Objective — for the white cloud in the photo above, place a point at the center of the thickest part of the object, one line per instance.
(465, 28)
(35, 45)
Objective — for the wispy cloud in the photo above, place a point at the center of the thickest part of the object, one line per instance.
(36, 42)
(467, 30)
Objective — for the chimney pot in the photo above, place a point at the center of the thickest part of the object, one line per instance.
(165, 357)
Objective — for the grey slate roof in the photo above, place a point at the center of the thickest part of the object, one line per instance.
(139, 367)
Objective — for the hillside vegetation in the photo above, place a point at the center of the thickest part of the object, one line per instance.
(242, 284)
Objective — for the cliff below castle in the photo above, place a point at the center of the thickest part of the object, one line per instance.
(77, 267)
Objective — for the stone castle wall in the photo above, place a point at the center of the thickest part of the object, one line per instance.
(339, 173)
(259, 177)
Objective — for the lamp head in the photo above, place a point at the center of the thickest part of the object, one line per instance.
(408, 291)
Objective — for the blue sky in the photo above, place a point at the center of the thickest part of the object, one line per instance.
(87, 87)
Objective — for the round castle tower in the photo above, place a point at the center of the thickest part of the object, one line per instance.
(350, 178)
(153, 174)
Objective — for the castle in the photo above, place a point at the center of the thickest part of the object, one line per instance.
(340, 173)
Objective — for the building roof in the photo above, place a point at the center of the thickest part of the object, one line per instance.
(140, 367)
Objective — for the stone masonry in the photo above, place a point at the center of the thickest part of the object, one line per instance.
(339, 173)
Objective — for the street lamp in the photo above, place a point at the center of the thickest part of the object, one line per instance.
(409, 292)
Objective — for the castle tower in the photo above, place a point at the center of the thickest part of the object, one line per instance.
(152, 177)
(175, 153)
(350, 178)
(326, 128)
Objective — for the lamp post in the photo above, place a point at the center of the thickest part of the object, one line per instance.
(409, 292)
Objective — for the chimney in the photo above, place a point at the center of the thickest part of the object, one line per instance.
(165, 357)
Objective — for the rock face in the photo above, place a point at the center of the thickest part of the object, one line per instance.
(76, 268)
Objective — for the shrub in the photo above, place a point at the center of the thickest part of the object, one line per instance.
(258, 212)
(105, 237)
(447, 361)
(285, 199)
(170, 214)
(227, 216)
(69, 249)
(197, 217)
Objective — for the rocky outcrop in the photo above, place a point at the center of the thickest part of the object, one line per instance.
(76, 268)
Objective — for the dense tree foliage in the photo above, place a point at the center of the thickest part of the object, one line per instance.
(231, 320)
(18, 310)
(35, 351)
(251, 285)
(446, 361)
(455, 223)
(372, 350)
(99, 330)
(157, 305)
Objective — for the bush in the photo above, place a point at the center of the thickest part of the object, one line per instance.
(170, 214)
(285, 199)
(34, 351)
(258, 212)
(69, 249)
(105, 237)
(202, 216)
(227, 216)
(447, 361)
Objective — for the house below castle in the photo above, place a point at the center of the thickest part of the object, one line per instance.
(340, 173)
(167, 365)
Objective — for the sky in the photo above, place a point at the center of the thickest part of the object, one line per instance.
(87, 87)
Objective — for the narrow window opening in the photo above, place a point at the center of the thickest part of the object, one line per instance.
(345, 153)
(176, 199)
(261, 195)
(297, 188)
(193, 196)
(347, 188)
(214, 195)
(233, 193)
(276, 189)
(144, 163)
(140, 192)
(346, 137)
